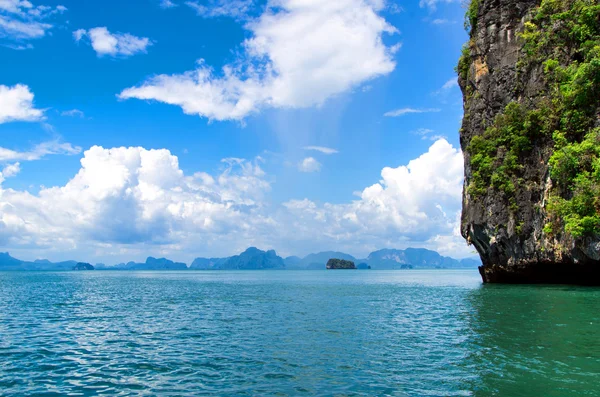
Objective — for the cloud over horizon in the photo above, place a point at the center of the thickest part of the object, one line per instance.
(124, 201)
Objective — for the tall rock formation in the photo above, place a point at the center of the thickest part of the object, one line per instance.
(530, 77)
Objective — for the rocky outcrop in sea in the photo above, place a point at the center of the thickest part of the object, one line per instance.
(530, 77)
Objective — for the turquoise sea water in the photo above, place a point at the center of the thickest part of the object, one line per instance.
(286, 333)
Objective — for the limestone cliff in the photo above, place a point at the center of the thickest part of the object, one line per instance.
(530, 77)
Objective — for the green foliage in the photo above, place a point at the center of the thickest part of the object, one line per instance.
(471, 15)
(564, 37)
(495, 156)
(575, 167)
(572, 27)
(334, 264)
(464, 63)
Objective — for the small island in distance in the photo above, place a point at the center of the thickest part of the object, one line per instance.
(256, 259)
(83, 266)
(340, 264)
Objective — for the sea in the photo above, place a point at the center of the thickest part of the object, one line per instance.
(294, 333)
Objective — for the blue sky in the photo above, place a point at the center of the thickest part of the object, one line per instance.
(288, 124)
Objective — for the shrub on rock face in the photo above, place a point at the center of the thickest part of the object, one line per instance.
(336, 264)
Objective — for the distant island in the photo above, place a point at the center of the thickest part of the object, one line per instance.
(150, 264)
(256, 259)
(83, 266)
(340, 264)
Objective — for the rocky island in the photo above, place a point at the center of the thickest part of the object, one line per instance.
(530, 77)
(340, 264)
(83, 266)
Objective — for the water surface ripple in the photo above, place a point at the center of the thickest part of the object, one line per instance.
(278, 333)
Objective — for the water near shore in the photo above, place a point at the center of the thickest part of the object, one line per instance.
(342, 333)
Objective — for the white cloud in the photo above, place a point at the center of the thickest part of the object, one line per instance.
(434, 137)
(8, 171)
(426, 134)
(167, 4)
(300, 53)
(322, 149)
(394, 8)
(113, 44)
(422, 131)
(405, 111)
(14, 6)
(442, 21)
(39, 151)
(448, 85)
(16, 104)
(432, 4)
(11, 170)
(126, 203)
(448, 90)
(453, 82)
(237, 9)
(73, 113)
(309, 164)
(127, 196)
(21, 20)
(19, 47)
(20, 30)
(418, 204)
(79, 34)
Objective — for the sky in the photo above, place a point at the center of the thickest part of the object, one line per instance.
(188, 129)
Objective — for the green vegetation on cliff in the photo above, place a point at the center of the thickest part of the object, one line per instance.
(471, 17)
(563, 37)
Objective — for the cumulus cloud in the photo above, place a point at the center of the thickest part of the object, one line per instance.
(133, 195)
(322, 149)
(405, 111)
(39, 151)
(16, 104)
(132, 201)
(21, 20)
(113, 44)
(299, 54)
(419, 203)
(309, 164)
